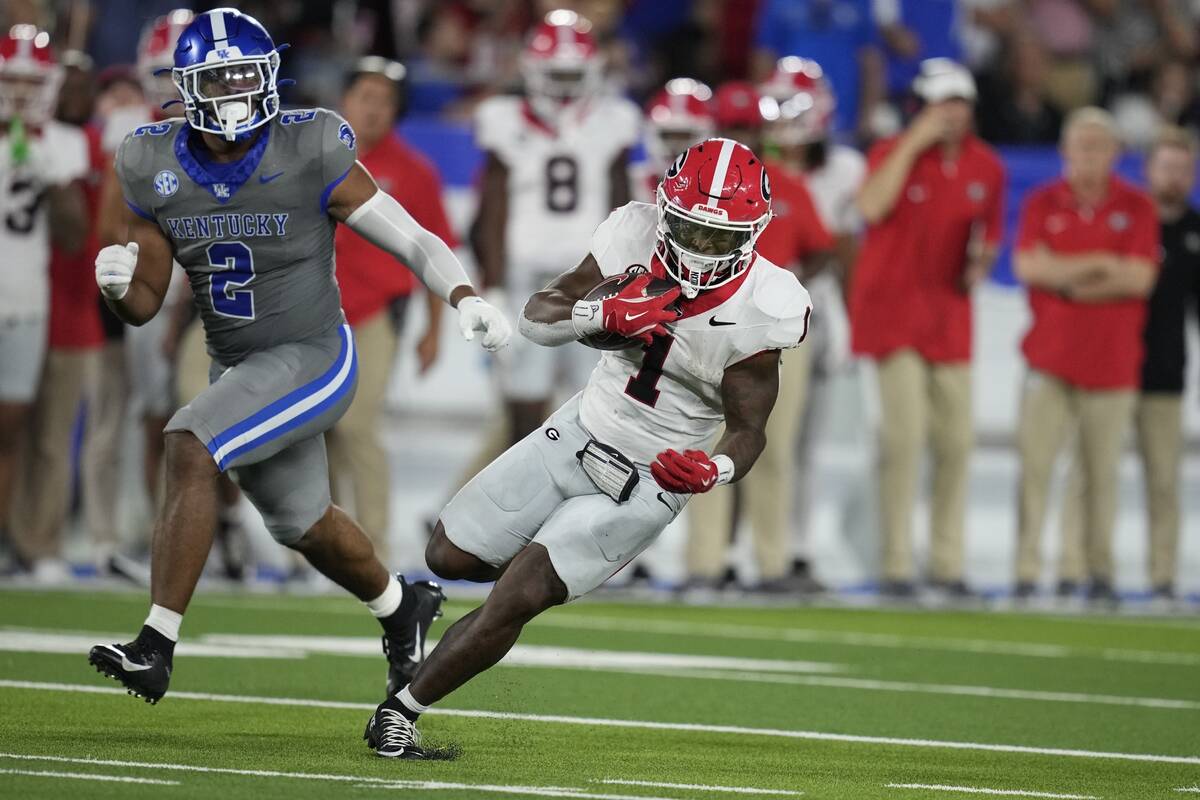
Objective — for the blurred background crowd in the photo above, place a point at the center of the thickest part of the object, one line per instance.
(990, 297)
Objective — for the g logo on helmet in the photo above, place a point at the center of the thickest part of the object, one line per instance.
(676, 165)
(166, 183)
(766, 186)
(346, 134)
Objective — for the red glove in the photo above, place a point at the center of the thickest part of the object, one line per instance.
(690, 472)
(630, 313)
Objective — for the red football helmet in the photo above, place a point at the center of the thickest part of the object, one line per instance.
(678, 116)
(713, 203)
(29, 75)
(738, 105)
(561, 62)
(156, 52)
(802, 102)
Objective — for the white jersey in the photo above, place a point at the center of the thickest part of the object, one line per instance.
(833, 187)
(58, 155)
(558, 177)
(645, 400)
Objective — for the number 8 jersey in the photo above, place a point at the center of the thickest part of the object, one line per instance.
(558, 175)
(254, 236)
(644, 400)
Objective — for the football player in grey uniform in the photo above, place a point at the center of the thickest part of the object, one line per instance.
(246, 198)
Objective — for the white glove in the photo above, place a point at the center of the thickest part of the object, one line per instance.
(476, 314)
(114, 269)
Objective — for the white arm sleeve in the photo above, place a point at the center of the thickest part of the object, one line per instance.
(384, 223)
(547, 334)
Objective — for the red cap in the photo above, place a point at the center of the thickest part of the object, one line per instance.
(737, 104)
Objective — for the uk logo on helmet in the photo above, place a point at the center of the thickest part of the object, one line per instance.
(166, 183)
(346, 134)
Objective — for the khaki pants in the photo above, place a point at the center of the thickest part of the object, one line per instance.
(766, 490)
(108, 396)
(924, 404)
(42, 492)
(1050, 410)
(1158, 423)
(355, 452)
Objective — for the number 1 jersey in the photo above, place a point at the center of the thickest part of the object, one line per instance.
(644, 400)
(254, 236)
(558, 175)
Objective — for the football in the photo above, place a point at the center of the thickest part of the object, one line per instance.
(610, 286)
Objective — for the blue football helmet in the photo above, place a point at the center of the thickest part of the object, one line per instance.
(226, 70)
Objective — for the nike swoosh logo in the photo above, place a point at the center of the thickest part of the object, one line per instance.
(128, 665)
(663, 500)
(269, 178)
(631, 317)
(713, 321)
(415, 655)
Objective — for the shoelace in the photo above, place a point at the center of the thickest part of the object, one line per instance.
(397, 731)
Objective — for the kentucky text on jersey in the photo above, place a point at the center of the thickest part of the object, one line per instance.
(221, 226)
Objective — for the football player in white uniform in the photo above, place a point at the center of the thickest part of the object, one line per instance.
(557, 162)
(562, 510)
(41, 161)
(677, 116)
(801, 131)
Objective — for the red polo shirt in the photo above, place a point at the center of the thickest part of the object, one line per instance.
(906, 291)
(1089, 345)
(795, 231)
(369, 278)
(74, 309)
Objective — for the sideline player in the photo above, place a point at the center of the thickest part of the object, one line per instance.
(678, 116)
(557, 161)
(41, 163)
(802, 134)
(561, 511)
(246, 198)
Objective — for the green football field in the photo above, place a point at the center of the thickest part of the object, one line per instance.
(611, 700)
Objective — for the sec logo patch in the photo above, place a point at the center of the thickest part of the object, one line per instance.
(166, 183)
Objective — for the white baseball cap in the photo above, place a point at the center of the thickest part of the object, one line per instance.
(944, 79)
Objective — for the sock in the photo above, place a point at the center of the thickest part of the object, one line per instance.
(394, 607)
(165, 621)
(409, 707)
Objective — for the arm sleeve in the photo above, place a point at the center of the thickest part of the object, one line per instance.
(129, 168)
(384, 223)
(339, 151)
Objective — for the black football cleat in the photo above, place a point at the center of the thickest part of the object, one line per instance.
(144, 672)
(392, 735)
(405, 646)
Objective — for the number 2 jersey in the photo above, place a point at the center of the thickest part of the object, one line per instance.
(558, 177)
(254, 236)
(58, 155)
(644, 400)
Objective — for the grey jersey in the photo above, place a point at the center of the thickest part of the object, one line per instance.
(253, 236)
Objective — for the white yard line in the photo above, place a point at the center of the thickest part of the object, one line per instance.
(1189, 789)
(359, 780)
(887, 640)
(978, 790)
(538, 791)
(87, 776)
(76, 642)
(746, 670)
(697, 787)
(735, 730)
(867, 684)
